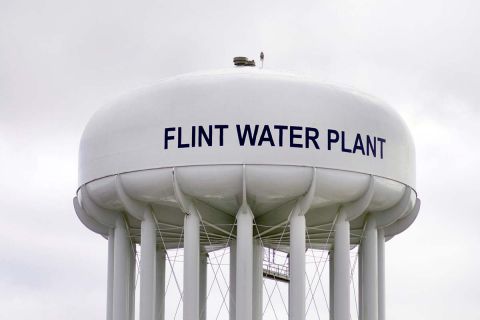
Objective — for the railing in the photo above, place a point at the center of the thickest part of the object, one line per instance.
(275, 265)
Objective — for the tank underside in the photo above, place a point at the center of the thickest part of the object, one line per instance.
(272, 193)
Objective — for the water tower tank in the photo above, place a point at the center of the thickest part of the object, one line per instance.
(250, 159)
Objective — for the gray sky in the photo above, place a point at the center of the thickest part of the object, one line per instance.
(61, 60)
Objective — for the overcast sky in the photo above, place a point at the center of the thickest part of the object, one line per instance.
(61, 60)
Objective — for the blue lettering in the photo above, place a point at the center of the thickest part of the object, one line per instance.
(382, 141)
(344, 149)
(266, 136)
(168, 137)
(247, 136)
(371, 146)
(281, 129)
(358, 144)
(242, 136)
(202, 135)
(193, 136)
(313, 138)
(294, 136)
(180, 144)
(332, 137)
(221, 128)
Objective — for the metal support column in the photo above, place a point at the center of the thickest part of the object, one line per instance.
(331, 271)
(147, 267)
(370, 271)
(233, 279)
(257, 280)
(110, 275)
(131, 283)
(120, 273)
(203, 285)
(360, 282)
(341, 256)
(296, 288)
(381, 274)
(244, 263)
(160, 285)
(191, 265)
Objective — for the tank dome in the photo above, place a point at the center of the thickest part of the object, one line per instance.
(247, 116)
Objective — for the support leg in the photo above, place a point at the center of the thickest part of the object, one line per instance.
(191, 281)
(203, 285)
(341, 256)
(147, 267)
(120, 273)
(257, 280)
(296, 288)
(331, 270)
(110, 275)
(370, 271)
(360, 282)
(131, 287)
(160, 285)
(233, 279)
(244, 264)
(381, 274)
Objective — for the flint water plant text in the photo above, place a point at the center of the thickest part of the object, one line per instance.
(274, 136)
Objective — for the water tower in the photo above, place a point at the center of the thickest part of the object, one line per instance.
(252, 160)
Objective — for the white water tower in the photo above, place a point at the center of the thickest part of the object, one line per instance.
(251, 160)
